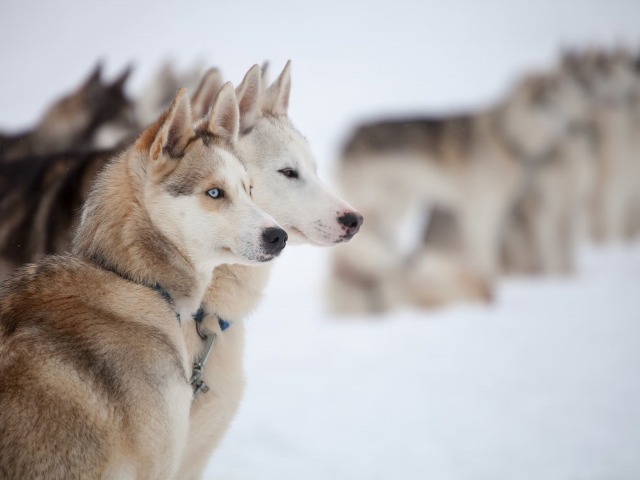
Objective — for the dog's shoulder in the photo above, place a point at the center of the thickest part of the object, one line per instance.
(73, 306)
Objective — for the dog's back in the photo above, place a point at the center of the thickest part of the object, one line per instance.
(432, 137)
(85, 378)
(40, 204)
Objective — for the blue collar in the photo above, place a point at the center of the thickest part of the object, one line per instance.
(201, 314)
(198, 317)
(167, 298)
(196, 381)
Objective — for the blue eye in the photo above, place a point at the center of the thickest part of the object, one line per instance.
(215, 193)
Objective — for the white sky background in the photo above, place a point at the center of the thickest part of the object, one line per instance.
(351, 59)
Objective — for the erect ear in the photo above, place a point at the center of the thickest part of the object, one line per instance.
(277, 96)
(91, 89)
(206, 92)
(175, 131)
(166, 75)
(118, 83)
(248, 94)
(94, 78)
(224, 117)
(189, 77)
(265, 75)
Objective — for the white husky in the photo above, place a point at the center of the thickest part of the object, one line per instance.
(285, 183)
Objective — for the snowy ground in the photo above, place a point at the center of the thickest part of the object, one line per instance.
(543, 385)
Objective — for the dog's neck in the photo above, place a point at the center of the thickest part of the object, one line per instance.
(117, 233)
(530, 157)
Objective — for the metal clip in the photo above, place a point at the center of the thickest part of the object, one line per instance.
(200, 387)
(208, 348)
(198, 367)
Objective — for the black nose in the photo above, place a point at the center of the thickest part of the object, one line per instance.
(273, 240)
(352, 222)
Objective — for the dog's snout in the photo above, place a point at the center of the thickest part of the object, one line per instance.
(351, 221)
(274, 240)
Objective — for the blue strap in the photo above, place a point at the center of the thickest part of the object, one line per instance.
(98, 260)
(167, 298)
(163, 293)
(200, 314)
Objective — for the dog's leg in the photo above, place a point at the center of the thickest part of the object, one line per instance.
(482, 221)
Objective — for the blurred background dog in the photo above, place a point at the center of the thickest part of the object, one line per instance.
(514, 188)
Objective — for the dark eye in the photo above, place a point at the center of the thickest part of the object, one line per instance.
(251, 191)
(289, 172)
(215, 193)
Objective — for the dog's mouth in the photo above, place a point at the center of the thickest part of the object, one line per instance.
(345, 238)
(267, 257)
(298, 236)
(252, 259)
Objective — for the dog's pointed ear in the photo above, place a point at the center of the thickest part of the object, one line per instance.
(119, 82)
(95, 77)
(277, 96)
(206, 92)
(264, 71)
(248, 94)
(92, 90)
(174, 132)
(224, 117)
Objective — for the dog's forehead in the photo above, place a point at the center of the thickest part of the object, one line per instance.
(204, 164)
(277, 140)
(230, 168)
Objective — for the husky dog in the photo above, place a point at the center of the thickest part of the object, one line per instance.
(611, 82)
(473, 166)
(550, 215)
(40, 204)
(73, 122)
(94, 367)
(287, 186)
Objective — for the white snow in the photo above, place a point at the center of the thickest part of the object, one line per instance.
(545, 384)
